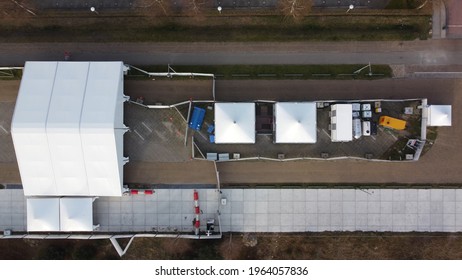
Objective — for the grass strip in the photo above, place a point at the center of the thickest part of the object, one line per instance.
(279, 72)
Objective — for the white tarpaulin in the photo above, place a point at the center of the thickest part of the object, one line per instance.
(43, 214)
(341, 123)
(76, 213)
(295, 122)
(234, 123)
(439, 115)
(68, 128)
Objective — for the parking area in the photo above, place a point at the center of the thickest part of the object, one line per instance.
(156, 135)
(7, 154)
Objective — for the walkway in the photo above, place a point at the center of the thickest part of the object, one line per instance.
(269, 210)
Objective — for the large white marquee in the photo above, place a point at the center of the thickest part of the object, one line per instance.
(68, 129)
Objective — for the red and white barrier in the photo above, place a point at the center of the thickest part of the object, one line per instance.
(197, 211)
(145, 192)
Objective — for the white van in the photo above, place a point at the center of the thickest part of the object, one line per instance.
(366, 128)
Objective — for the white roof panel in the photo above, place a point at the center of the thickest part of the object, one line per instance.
(29, 128)
(43, 214)
(234, 123)
(63, 130)
(295, 122)
(103, 168)
(439, 115)
(342, 122)
(34, 95)
(103, 82)
(76, 214)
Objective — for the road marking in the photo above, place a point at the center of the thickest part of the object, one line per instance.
(6, 131)
(137, 133)
(373, 137)
(147, 127)
(328, 135)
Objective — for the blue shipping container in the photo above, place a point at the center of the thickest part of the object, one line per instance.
(197, 118)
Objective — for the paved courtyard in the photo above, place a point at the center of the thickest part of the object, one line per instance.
(268, 210)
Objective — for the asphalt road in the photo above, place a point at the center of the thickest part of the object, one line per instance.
(424, 53)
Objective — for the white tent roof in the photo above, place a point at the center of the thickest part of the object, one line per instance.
(234, 123)
(342, 122)
(295, 122)
(76, 214)
(43, 214)
(68, 128)
(439, 115)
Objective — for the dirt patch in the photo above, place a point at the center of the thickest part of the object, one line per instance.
(316, 246)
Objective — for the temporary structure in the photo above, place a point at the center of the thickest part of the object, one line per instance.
(234, 123)
(341, 129)
(60, 214)
(76, 214)
(68, 128)
(439, 115)
(43, 214)
(295, 122)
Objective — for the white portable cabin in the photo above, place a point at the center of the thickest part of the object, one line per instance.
(341, 122)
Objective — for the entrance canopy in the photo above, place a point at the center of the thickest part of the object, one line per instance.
(68, 128)
(43, 214)
(439, 115)
(60, 214)
(234, 123)
(76, 213)
(295, 122)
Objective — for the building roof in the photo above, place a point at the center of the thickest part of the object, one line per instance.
(234, 123)
(295, 122)
(68, 128)
(341, 123)
(439, 115)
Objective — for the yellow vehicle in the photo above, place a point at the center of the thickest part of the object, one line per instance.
(393, 123)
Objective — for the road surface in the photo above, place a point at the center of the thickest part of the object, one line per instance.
(424, 53)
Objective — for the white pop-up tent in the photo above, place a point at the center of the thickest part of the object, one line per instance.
(67, 128)
(43, 214)
(76, 214)
(295, 122)
(234, 123)
(439, 115)
(341, 122)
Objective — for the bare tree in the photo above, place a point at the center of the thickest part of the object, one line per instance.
(151, 7)
(295, 9)
(164, 5)
(194, 7)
